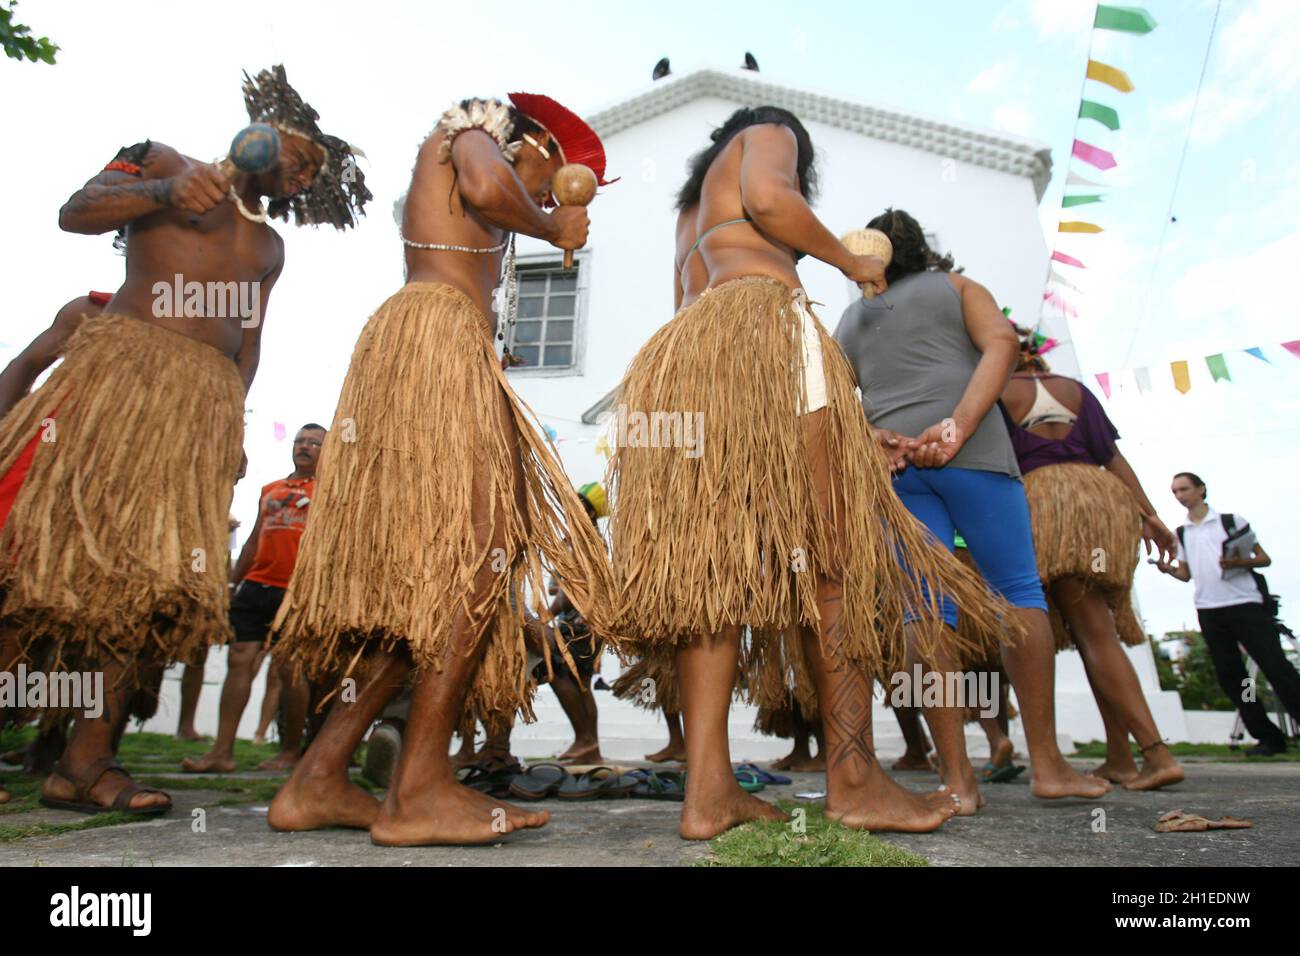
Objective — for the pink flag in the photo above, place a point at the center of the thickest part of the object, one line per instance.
(1056, 300)
(1093, 155)
(1068, 260)
(279, 431)
(1292, 347)
(1103, 379)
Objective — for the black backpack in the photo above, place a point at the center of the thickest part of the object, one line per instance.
(1272, 603)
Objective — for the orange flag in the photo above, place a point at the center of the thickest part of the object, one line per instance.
(1182, 380)
(1105, 73)
(1078, 227)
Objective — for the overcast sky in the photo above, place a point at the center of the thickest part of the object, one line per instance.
(381, 72)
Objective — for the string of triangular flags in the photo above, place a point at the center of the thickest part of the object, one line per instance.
(1125, 20)
(1180, 371)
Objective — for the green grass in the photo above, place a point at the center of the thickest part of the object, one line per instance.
(824, 843)
(1219, 753)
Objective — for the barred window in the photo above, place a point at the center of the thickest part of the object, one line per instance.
(545, 335)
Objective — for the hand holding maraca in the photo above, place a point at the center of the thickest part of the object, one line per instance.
(574, 186)
(872, 253)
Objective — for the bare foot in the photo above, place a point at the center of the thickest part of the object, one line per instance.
(259, 739)
(1155, 777)
(1065, 781)
(815, 764)
(450, 814)
(464, 758)
(190, 734)
(1115, 773)
(881, 804)
(210, 762)
(313, 801)
(281, 761)
(576, 754)
(704, 817)
(911, 761)
(1000, 756)
(669, 754)
(963, 789)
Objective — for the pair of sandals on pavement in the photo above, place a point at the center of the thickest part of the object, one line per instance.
(543, 780)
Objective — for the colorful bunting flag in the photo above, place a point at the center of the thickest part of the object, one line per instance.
(1068, 260)
(280, 431)
(1104, 73)
(1258, 353)
(1069, 201)
(1182, 380)
(1093, 155)
(1103, 114)
(1218, 367)
(1054, 276)
(1125, 19)
(1292, 347)
(1065, 307)
(1103, 379)
(1143, 378)
(1078, 227)
(1074, 179)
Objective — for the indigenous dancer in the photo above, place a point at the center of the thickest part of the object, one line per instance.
(1088, 512)
(801, 531)
(111, 551)
(438, 498)
(257, 583)
(933, 355)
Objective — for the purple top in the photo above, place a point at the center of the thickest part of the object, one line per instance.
(1091, 440)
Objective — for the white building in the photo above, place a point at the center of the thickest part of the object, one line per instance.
(975, 191)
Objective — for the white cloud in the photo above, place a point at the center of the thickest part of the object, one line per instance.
(1013, 118)
(1006, 20)
(1253, 69)
(990, 79)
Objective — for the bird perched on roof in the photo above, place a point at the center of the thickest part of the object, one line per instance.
(750, 62)
(661, 69)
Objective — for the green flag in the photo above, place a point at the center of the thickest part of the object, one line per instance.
(1125, 19)
(1218, 367)
(1069, 201)
(1104, 115)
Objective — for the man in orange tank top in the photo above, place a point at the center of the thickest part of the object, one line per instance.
(258, 580)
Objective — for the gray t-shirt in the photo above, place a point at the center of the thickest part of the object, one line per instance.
(914, 360)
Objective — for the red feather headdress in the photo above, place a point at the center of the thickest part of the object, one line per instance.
(578, 141)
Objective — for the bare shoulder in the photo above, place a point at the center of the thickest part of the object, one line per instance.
(162, 160)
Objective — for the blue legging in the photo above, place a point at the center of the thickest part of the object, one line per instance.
(991, 512)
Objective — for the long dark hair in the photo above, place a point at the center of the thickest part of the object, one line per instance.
(911, 252)
(747, 116)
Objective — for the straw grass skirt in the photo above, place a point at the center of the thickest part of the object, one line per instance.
(115, 545)
(735, 535)
(439, 508)
(1087, 525)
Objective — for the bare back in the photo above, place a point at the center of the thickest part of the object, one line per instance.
(436, 213)
(1019, 395)
(731, 251)
(218, 247)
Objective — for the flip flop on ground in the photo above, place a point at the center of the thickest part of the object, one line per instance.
(538, 782)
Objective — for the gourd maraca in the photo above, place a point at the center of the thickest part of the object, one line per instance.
(573, 185)
(869, 242)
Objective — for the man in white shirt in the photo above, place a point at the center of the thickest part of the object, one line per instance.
(1219, 553)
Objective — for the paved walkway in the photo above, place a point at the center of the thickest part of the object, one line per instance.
(1014, 829)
